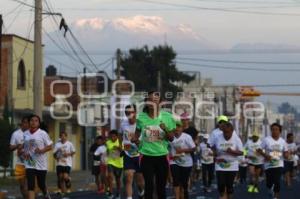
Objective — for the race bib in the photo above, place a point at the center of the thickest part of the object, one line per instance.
(154, 134)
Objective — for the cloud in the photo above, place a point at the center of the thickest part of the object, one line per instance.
(135, 31)
(139, 24)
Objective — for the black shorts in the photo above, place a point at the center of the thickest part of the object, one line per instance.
(63, 169)
(39, 175)
(288, 166)
(257, 166)
(225, 181)
(132, 163)
(180, 175)
(95, 170)
(115, 170)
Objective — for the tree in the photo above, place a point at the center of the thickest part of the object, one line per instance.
(286, 108)
(142, 66)
(5, 133)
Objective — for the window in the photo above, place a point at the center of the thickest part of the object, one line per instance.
(21, 81)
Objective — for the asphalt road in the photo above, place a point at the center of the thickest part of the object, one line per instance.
(197, 193)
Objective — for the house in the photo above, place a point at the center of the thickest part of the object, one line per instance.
(16, 75)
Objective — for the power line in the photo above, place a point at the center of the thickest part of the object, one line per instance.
(276, 85)
(12, 10)
(220, 9)
(62, 64)
(83, 50)
(62, 43)
(24, 3)
(25, 46)
(15, 17)
(238, 68)
(247, 2)
(239, 62)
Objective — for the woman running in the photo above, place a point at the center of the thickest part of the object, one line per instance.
(275, 150)
(156, 129)
(227, 149)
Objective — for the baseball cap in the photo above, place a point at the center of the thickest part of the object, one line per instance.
(222, 118)
(178, 123)
(255, 133)
(185, 116)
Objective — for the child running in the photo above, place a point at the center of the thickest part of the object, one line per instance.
(181, 161)
(255, 161)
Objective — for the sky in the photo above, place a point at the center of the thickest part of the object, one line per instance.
(236, 29)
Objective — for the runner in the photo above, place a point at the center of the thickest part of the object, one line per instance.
(156, 129)
(16, 143)
(101, 158)
(243, 165)
(63, 153)
(114, 163)
(96, 161)
(131, 156)
(227, 149)
(289, 161)
(192, 131)
(275, 150)
(255, 160)
(36, 144)
(207, 161)
(181, 161)
(222, 120)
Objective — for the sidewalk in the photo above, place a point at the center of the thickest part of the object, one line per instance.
(81, 181)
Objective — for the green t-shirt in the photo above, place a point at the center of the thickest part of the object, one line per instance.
(153, 142)
(113, 154)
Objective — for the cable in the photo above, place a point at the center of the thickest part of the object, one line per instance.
(50, 8)
(15, 18)
(25, 46)
(239, 68)
(83, 50)
(12, 10)
(276, 85)
(220, 9)
(63, 64)
(245, 2)
(238, 62)
(62, 45)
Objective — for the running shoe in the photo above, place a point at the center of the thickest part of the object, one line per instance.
(250, 188)
(255, 190)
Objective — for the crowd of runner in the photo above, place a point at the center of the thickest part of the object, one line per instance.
(152, 150)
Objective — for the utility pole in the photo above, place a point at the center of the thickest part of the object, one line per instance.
(1, 24)
(118, 55)
(38, 65)
(159, 81)
(118, 100)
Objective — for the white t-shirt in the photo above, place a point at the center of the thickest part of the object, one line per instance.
(254, 158)
(16, 139)
(205, 152)
(275, 149)
(128, 131)
(243, 161)
(185, 141)
(215, 134)
(292, 147)
(101, 151)
(60, 149)
(39, 139)
(296, 158)
(225, 161)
